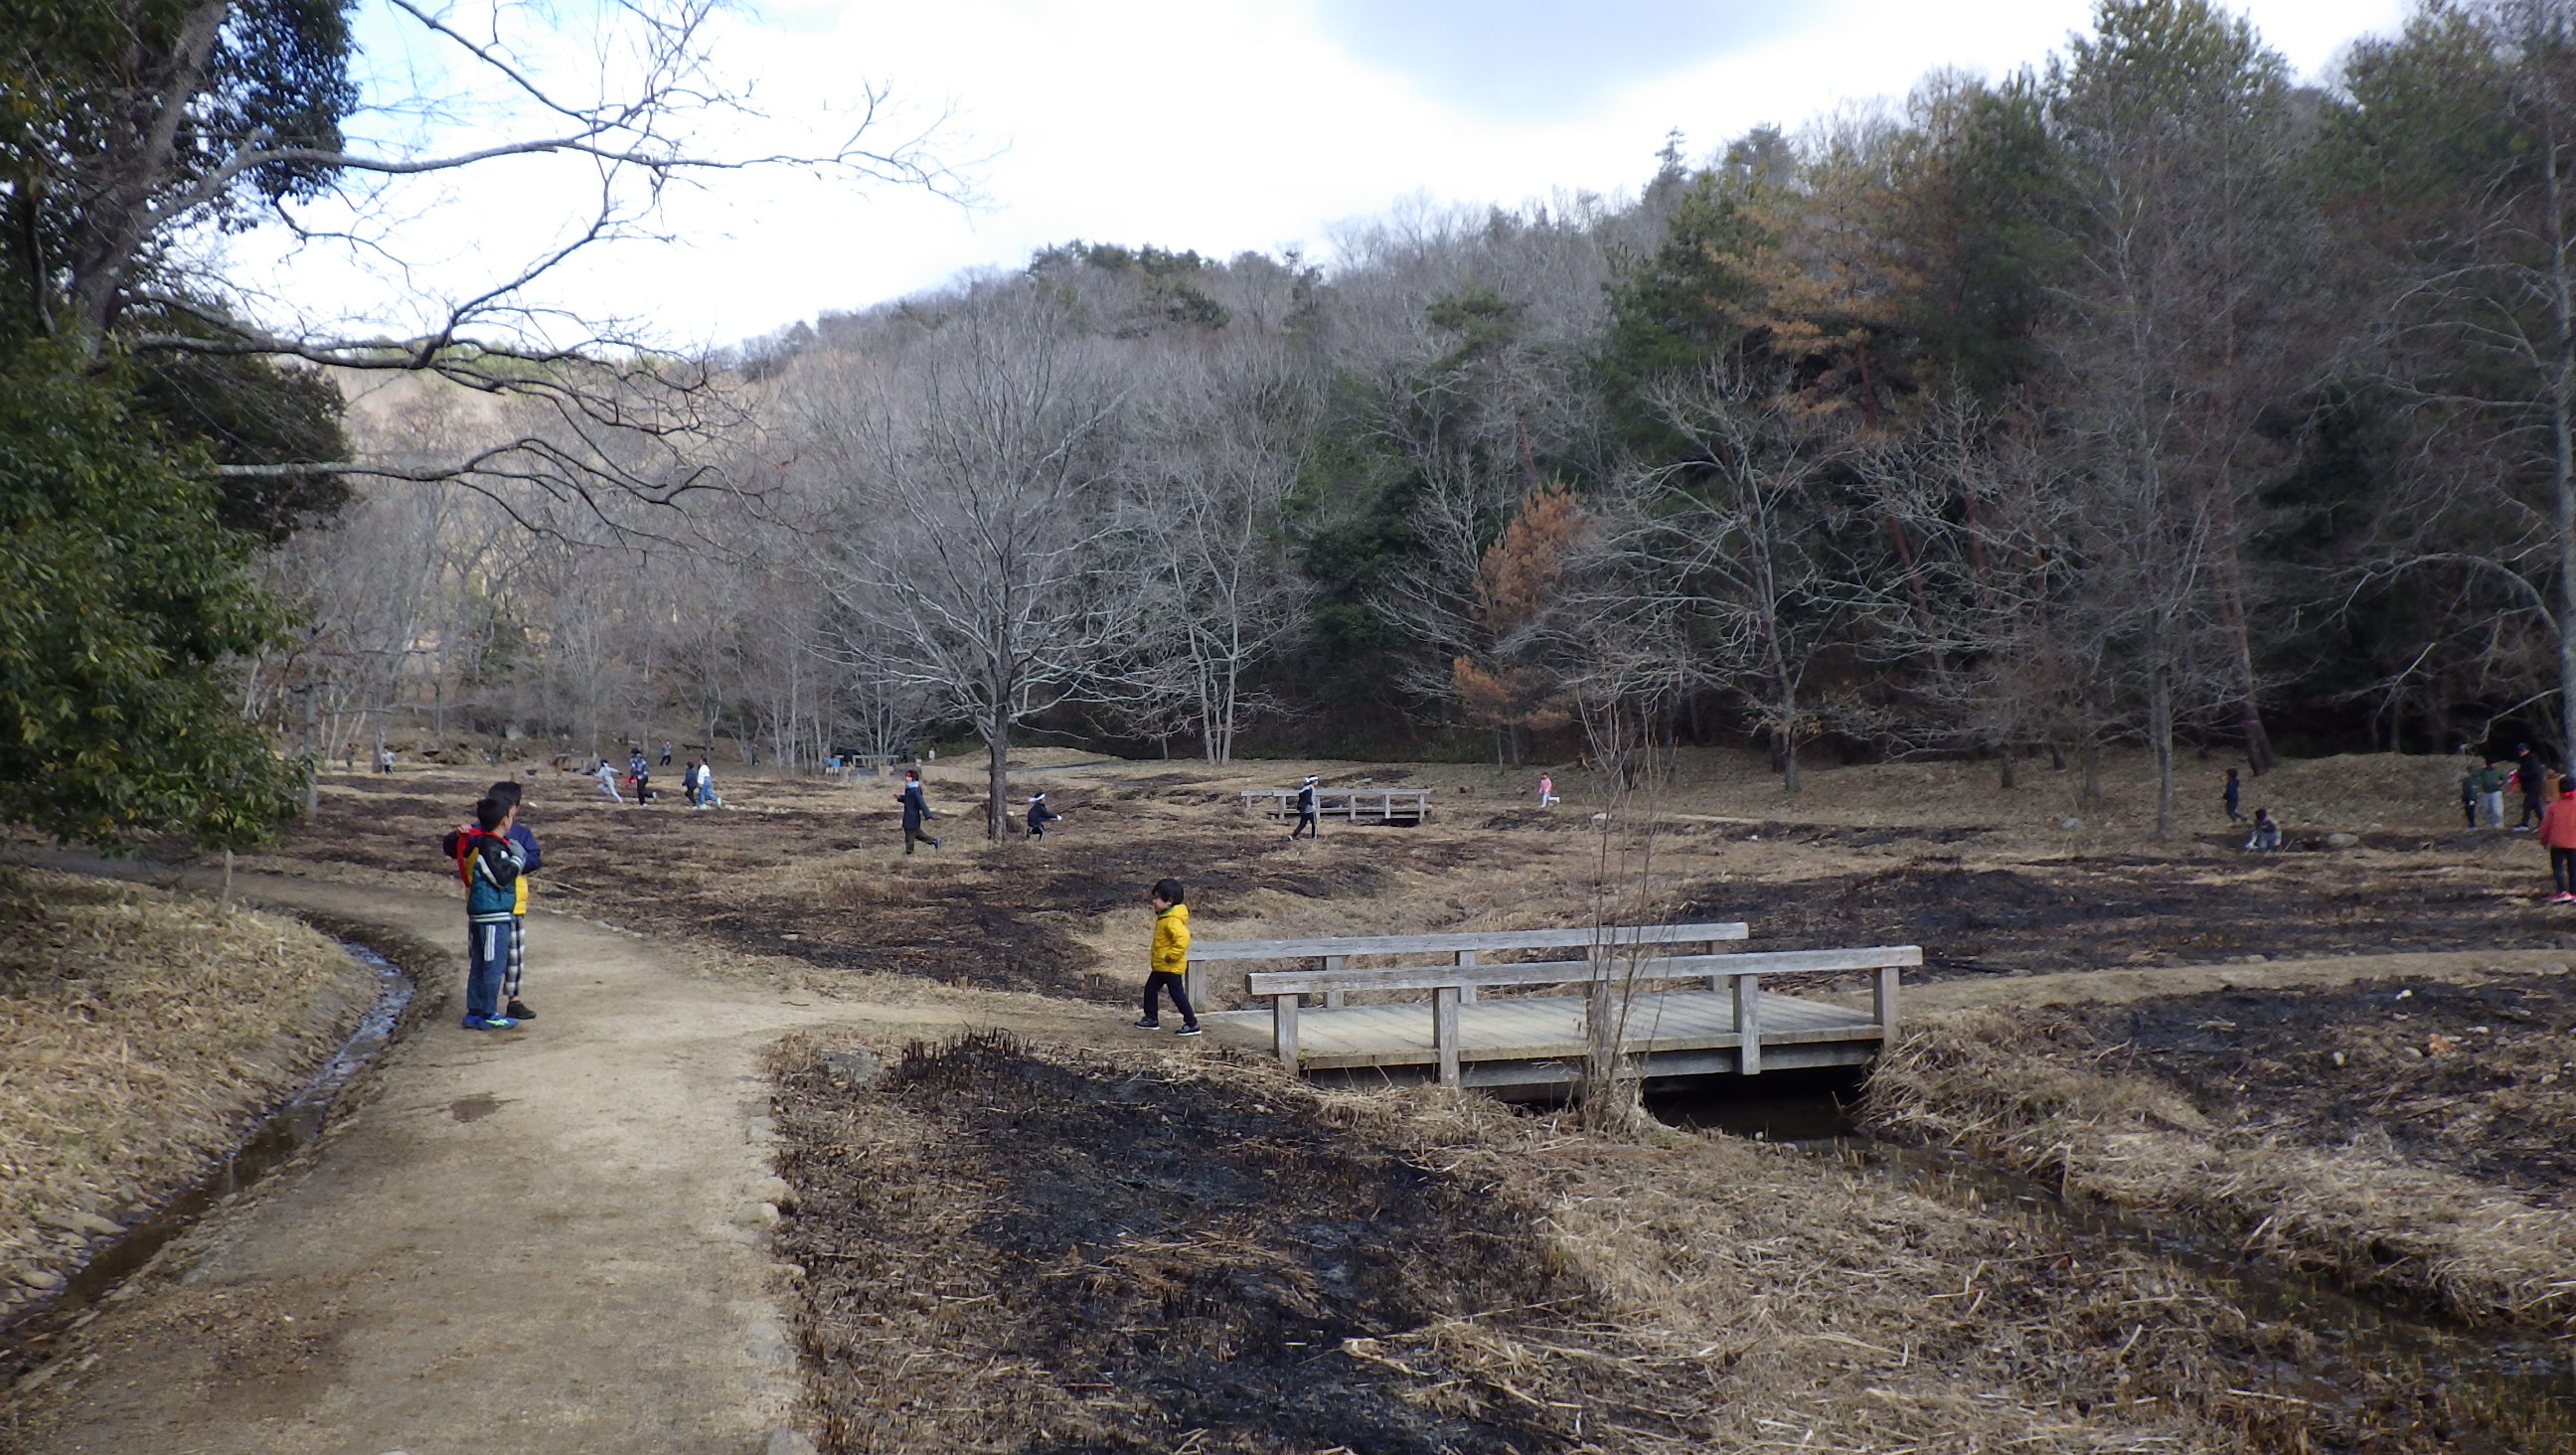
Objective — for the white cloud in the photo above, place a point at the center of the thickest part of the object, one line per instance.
(1215, 126)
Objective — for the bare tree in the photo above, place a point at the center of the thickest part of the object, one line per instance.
(1217, 439)
(968, 514)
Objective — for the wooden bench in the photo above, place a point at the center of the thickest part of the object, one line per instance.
(1738, 976)
(1359, 805)
(1463, 946)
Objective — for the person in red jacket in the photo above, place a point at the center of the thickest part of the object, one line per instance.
(2558, 832)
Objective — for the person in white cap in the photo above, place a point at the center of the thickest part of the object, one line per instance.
(1040, 815)
(1305, 810)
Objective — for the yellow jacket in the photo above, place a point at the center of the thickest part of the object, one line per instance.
(1171, 955)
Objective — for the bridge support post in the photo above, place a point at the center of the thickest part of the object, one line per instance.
(1444, 1031)
(1882, 1001)
(1748, 1024)
(1283, 1029)
(1332, 963)
(1466, 993)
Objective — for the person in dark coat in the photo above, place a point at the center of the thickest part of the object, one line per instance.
(1305, 810)
(916, 812)
(1040, 815)
(2532, 776)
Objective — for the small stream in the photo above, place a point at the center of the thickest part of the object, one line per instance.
(270, 1142)
(2356, 1344)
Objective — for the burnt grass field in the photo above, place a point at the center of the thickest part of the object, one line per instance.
(2475, 1078)
(2114, 911)
(1049, 1252)
(828, 888)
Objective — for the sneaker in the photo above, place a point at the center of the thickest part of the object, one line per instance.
(1147, 1025)
(518, 1011)
(2562, 899)
(1187, 1031)
(489, 1023)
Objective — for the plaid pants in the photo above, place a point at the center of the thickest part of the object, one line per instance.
(518, 958)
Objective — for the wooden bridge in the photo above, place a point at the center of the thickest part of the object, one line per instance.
(1359, 805)
(1720, 1021)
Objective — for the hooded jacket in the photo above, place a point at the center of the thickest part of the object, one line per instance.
(1171, 952)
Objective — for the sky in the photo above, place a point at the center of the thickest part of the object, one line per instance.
(1216, 125)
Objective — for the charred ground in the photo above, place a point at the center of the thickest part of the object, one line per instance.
(1096, 1254)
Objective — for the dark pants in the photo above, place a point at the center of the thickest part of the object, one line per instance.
(1164, 980)
(2531, 811)
(487, 959)
(914, 833)
(2233, 815)
(2469, 811)
(1305, 826)
(2562, 870)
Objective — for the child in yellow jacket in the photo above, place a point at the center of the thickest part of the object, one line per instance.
(1170, 960)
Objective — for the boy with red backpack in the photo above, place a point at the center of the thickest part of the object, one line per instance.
(490, 865)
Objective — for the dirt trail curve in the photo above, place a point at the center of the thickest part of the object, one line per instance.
(538, 1241)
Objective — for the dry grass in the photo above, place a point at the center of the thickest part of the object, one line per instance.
(1683, 1294)
(138, 1032)
(2033, 1089)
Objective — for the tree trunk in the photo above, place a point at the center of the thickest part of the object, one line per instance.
(2160, 726)
(997, 776)
(2562, 429)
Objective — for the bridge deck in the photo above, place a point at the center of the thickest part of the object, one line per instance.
(1524, 1040)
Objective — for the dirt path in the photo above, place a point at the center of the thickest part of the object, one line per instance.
(543, 1241)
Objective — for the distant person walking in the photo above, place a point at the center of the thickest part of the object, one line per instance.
(916, 812)
(2266, 838)
(1040, 816)
(1168, 961)
(384, 760)
(1306, 818)
(2558, 835)
(2234, 794)
(607, 776)
(1546, 790)
(2490, 781)
(489, 865)
(2532, 776)
(666, 755)
(2469, 795)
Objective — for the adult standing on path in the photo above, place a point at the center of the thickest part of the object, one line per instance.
(489, 864)
(916, 812)
(2532, 776)
(1306, 817)
(530, 856)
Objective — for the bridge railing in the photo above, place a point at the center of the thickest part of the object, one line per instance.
(1335, 952)
(1456, 984)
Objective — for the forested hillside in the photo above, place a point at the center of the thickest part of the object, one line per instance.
(2140, 398)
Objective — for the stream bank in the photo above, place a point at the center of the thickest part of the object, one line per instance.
(121, 1249)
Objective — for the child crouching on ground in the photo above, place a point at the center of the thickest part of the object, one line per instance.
(1170, 960)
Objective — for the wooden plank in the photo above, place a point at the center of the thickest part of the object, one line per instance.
(1333, 965)
(1283, 1029)
(1450, 940)
(1568, 972)
(1466, 993)
(1748, 1024)
(1444, 1032)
